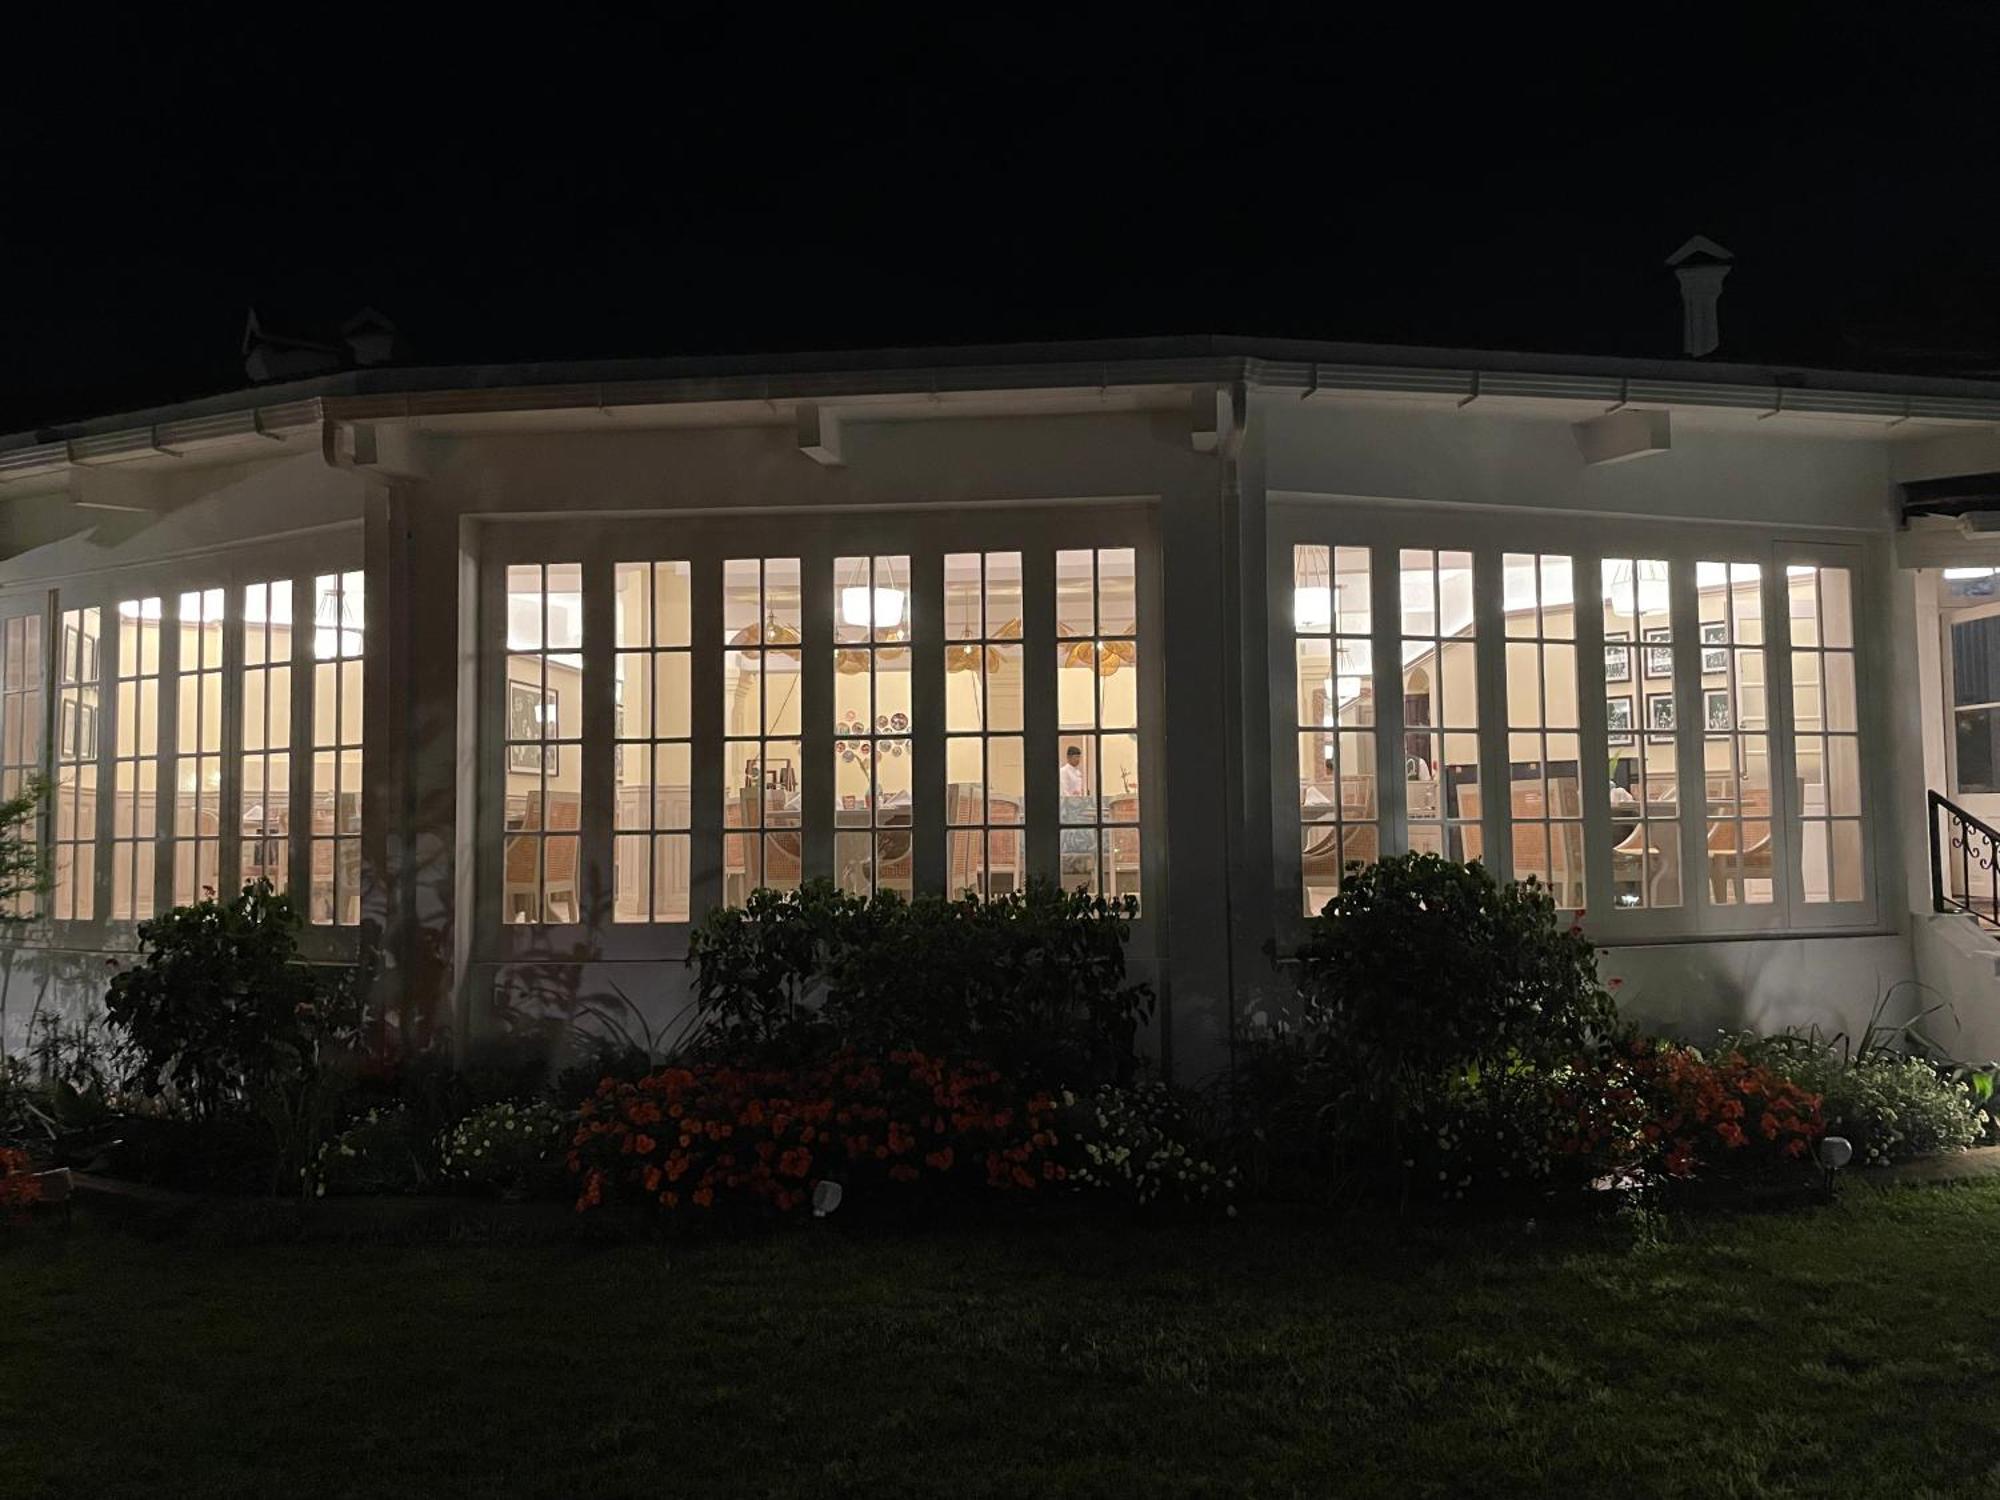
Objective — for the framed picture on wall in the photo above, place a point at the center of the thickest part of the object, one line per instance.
(1618, 719)
(1659, 717)
(86, 731)
(1659, 659)
(1715, 710)
(529, 709)
(1618, 659)
(66, 731)
(1714, 648)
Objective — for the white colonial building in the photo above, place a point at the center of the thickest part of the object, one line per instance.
(514, 672)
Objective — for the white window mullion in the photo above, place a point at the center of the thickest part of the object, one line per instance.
(597, 771)
(927, 714)
(1595, 748)
(1496, 774)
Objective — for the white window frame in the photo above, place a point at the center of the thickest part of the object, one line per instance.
(706, 540)
(231, 570)
(1488, 534)
(1948, 618)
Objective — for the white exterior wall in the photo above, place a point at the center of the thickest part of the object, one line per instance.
(425, 521)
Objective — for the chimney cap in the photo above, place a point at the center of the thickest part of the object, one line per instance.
(1700, 250)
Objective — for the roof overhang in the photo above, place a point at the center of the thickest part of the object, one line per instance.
(1134, 373)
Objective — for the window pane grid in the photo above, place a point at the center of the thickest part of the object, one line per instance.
(1826, 747)
(21, 710)
(265, 821)
(985, 760)
(652, 750)
(1440, 670)
(1097, 684)
(1640, 725)
(135, 820)
(873, 759)
(543, 748)
(763, 775)
(1544, 746)
(197, 836)
(339, 625)
(1332, 643)
(1735, 733)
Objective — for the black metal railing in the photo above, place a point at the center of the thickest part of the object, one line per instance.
(1965, 862)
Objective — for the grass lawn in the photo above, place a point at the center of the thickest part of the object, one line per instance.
(1851, 1351)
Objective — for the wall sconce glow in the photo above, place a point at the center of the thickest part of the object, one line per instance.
(854, 607)
(1312, 607)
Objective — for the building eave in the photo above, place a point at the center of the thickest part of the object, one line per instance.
(246, 418)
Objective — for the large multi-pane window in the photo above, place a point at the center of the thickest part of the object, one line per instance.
(135, 768)
(1641, 725)
(1826, 732)
(1097, 719)
(1440, 703)
(1736, 737)
(763, 768)
(652, 731)
(1668, 811)
(543, 743)
(265, 822)
(1332, 630)
(21, 718)
(986, 786)
(1544, 742)
(874, 757)
(198, 747)
(78, 706)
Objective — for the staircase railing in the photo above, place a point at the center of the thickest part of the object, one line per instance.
(1965, 862)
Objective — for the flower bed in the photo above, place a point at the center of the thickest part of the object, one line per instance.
(714, 1139)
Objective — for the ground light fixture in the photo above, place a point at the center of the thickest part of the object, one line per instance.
(826, 1198)
(1833, 1152)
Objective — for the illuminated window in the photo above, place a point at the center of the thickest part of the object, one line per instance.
(1440, 704)
(1097, 750)
(763, 770)
(135, 796)
(652, 773)
(1826, 742)
(1339, 808)
(74, 848)
(1544, 749)
(339, 617)
(1640, 724)
(872, 748)
(198, 750)
(985, 760)
(1736, 738)
(21, 714)
(265, 823)
(544, 742)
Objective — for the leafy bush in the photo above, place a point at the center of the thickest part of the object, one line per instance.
(385, 1151)
(1421, 969)
(1033, 982)
(1142, 1145)
(219, 1007)
(1722, 1111)
(714, 1140)
(1889, 1105)
(1525, 1132)
(507, 1146)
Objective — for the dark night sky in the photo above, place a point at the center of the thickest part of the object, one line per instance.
(599, 188)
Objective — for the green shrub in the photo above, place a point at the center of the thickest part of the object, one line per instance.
(1033, 982)
(385, 1151)
(508, 1146)
(1143, 1146)
(24, 865)
(219, 1009)
(1422, 969)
